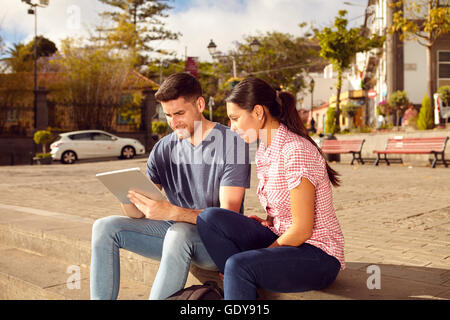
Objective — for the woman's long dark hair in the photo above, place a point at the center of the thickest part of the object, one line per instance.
(252, 91)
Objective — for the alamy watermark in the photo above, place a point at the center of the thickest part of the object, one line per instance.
(73, 17)
(73, 282)
(374, 280)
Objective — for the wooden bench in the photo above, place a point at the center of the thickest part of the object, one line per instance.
(432, 145)
(344, 146)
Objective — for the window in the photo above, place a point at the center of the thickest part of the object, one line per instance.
(81, 136)
(101, 137)
(443, 73)
(125, 100)
(12, 115)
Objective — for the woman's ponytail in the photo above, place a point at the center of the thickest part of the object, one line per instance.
(291, 119)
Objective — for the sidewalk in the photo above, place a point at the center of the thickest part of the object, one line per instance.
(396, 217)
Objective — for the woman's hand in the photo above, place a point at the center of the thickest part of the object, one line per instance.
(266, 223)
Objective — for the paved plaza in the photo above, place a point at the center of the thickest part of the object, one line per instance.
(395, 220)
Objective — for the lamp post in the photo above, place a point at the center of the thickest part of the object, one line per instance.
(212, 48)
(311, 89)
(33, 10)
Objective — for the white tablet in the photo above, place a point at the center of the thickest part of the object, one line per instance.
(119, 182)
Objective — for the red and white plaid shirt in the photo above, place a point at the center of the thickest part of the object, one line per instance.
(280, 168)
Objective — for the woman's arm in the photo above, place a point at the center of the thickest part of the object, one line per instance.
(302, 208)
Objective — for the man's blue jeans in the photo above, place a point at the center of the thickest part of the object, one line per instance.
(175, 244)
(238, 246)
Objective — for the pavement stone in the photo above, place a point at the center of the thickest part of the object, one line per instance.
(395, 216)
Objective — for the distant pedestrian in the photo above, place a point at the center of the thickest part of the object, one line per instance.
(312, 125)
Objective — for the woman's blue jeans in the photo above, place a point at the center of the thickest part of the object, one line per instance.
(175, 244)
(238, 246)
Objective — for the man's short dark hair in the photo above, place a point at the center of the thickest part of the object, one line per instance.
(177, 85)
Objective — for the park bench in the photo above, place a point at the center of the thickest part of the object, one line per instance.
(399, 145)
(344, 146)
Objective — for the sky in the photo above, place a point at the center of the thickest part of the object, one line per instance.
(199, 21)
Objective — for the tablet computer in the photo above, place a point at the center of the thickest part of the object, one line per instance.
(119, 182)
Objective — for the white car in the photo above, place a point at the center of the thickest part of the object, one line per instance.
(86, 144)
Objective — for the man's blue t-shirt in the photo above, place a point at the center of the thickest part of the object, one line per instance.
(192, 175)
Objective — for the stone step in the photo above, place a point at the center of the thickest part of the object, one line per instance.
(68, 238)
(31, 276)
(38, 246)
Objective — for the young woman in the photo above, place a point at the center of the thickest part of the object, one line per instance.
(299, 246)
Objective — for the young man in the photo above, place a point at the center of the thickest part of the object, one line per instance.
(201, 164)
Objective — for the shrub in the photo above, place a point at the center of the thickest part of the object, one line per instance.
(160, 127)
(425, 118)
(444, 94)
(43, 137)
(399, 102)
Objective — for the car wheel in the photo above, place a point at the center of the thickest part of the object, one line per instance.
(128, 152)
(68, 157)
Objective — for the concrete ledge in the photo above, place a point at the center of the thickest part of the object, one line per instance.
(37, 251)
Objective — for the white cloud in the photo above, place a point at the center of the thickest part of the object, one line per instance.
(223, 21)
(62, 18)
(229, 21)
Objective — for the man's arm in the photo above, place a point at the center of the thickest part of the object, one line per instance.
(230, 198)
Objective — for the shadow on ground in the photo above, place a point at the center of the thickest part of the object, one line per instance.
(396, 282)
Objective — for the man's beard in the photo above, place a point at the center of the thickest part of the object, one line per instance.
(182, 133)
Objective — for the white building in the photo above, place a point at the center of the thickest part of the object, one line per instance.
(402, 65)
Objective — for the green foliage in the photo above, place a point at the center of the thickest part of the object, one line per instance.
(339, 45)
(94, 81)
(399, 102)
(20, 56)
(398, 99)
(444, 94)
(279, 61)
(423, 21)
(43, 155)
(137, 24)
(350, 110)
(43, 137)
(330, 123)
(425, 118)
(219, 115)
(159, 127)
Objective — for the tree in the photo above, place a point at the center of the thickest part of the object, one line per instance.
(339, 46)
(330, 123)
(280, 61)
(95, 89)
(43, 137)
(136, 24)
(425, 119)
(423, 21)
(399, 102)
(20, 56)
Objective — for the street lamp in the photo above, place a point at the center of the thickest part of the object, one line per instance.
(212, 48)
(33, 10)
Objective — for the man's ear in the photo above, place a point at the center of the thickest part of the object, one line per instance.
(200, 104)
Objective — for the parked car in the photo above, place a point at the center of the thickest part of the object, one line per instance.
(86, 144)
